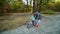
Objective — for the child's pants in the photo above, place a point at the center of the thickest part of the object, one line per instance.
(38, 22)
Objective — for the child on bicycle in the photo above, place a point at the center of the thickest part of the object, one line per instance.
(33, 19)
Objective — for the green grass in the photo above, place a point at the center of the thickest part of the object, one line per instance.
(48, 12)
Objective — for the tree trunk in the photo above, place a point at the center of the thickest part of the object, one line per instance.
(30, 5)
(40, 4)
(47, 4)
(34, 5)
(27, 6)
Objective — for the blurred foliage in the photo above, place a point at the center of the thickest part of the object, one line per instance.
(48, 12)
(57, 5)
(16, 5)
(11, 6)
(52, 5)
(3, 3)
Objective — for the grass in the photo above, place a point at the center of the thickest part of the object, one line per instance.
(12, 24)
(48, 12)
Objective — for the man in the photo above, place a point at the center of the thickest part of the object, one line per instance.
(38, 18)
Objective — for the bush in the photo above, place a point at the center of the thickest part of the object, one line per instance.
(2, 13)
(57, 5)
(48, 12)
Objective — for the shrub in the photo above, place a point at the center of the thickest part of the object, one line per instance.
(48, 12)
(57, 5)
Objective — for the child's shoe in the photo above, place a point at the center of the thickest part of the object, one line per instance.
(37, 26)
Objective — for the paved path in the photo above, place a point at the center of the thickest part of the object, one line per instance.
(48, 26)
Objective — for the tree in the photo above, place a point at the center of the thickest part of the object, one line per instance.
(57, 5)
(34, 5)
(27, 6)
(31, 6)
(40, 4)
(4, 6)
(44, 3)
(16, 6)
(37, 5)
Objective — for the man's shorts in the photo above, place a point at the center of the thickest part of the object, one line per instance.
(38, 21)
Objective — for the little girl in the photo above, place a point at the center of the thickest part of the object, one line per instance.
(32, 21)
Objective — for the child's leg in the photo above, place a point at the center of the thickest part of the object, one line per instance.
(38, 23)
(33, 23)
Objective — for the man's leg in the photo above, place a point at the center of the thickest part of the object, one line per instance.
(38, 23)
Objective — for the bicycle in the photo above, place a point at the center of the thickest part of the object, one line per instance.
(31, 24)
